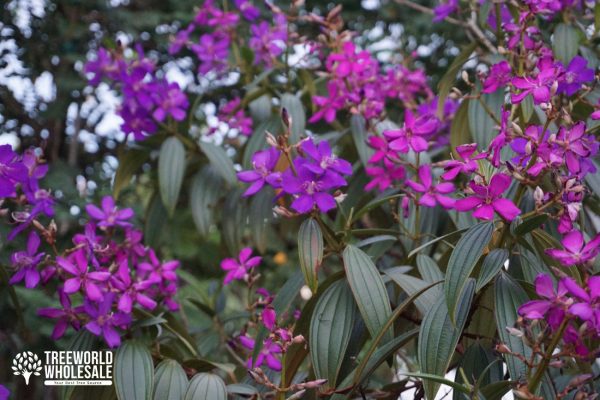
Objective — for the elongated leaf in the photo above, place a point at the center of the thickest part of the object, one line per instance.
(260, 108)
(359, 135)
(205, 386)
(258, 140)
(219, 159)
(565, 42)
(171, 169)
(509, 296)
(449, 77)
(156, 219)
(134, 372)
(330, 328)
(295, 109)
(233, 220)
(496, 390)
(130, 161)
(439, 380)
(430, 272)
(368, 289)
(465, 255)
(492, 264)
(530, 224)
(310, 251)
(261, 214)
(439, 336)
(411, 285)
(170, 381)
(459, 131)
(204, 193)
(241, 389)
(481, 124)
(474, 365)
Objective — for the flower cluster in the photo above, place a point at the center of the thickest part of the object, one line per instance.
(309, 179)
(108, 265)
(357, 84)
(574, 307)
(148, 100)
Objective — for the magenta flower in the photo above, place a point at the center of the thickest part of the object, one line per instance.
(444, 9)
(328, 106)
(269, 317)
(576, 74)
(131, 292)
(264, 163)
(103, 321)
(26, 262)
(411, 135)
(552, 308)
(431, 194)
(541, 85)
(323, 160)
(575, 146)
(486, 200)
(248, 10)
(65, 316)
(267, 354)
(4, 393)
(109, 215)
(157, 271)
(384, 176)
(499, 76)
(170, 102)
(237, 269)
(12, 171)
(213, 52)
(310, 189)
(268, 42)
(576, 251)
(234, 116)
(467, 164)
(180, 40)
(82, 278)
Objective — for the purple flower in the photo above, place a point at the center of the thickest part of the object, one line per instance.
(159, 272)
(269, 317)
(25, 263)
(181, 39)
(268, 42)
(4, 393)
(328, 106)
(213, 52)
(171, 101)
(467, 164)
(234, 116)
(264, 163)
(576, 74)
(131, 291)
(323, 160)
(237, 269)
(65, 316)
(310, 189)
(575, 251)
(249, 11)
(411, 135)
(103, 320)
(431, 194)
(384, 176)
(267, 354)
(77, 266)
(552, 308)
(574, 146)
(486, 200)
(500, 75)
(444, 9)
(109, 215)
(12, 171)
(541, 85)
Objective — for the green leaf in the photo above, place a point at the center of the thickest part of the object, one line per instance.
(130, 161)
(170, 381)
(449, 77)
(411, 285)
(430, 272)
(492, 264)
(474, 365)
(259, 217)
(439, 336)
(459, 130)
(530, 224)
(241, 389)
(205, 386)
(565, 43)
(481, 124)
(509, 297)
(330, 328)
(310, 251)
(233, 220)
(219, 159)
(496, 390)
(368, 289)
(258, 140)
(204, 193)
(359, 135)
(156, 219)
(439, 380)
(133, 372)
(171, 169)
(465, 255)
(295, 109)
(260, 108)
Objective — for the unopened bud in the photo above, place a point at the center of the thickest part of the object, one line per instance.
(514, 332)
(465, 77)
(297, 395)
(315, 384)
(256, 377)
(503, 349)
(282, 212)
(271, 139)
(285, 117)
(298, 339)
(538, 195)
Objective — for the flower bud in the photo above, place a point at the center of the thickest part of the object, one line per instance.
(315, 384)
(271, 140)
